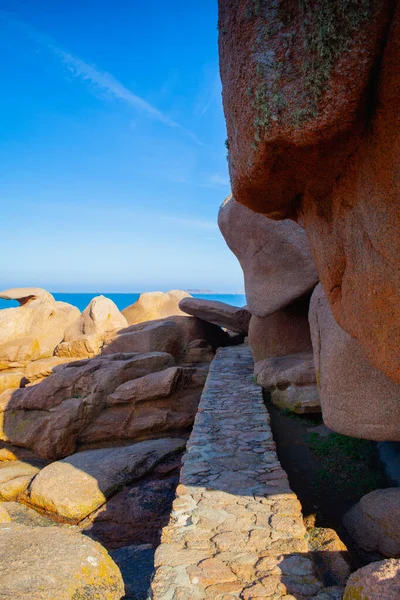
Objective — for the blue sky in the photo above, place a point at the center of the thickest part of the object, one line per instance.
(112, 156)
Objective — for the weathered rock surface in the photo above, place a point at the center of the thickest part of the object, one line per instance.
(291, 382)
(155, 305)
(316, 144)
(32, 330)
(40, 562)
(161, 403)
(161, 336)
(40, 369)
(374, 523)
(356, 398)
(84, 338)
(137, 514)
(286, 331)
(275, 257)
(330, 556)
(377, 581)
(15, 476)
(76, 486)
(219, 313)
(50, 417)
(4, 516)
(11, 378)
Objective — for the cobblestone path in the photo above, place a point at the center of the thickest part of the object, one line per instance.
(236, 528)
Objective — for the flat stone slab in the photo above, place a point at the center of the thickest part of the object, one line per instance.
(236, 528)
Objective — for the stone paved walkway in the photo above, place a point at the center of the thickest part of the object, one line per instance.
(236, 528)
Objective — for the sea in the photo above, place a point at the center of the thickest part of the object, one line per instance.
(124, 300)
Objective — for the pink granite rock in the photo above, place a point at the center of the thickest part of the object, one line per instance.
(275, 257)
(377, 581)
(286, 331)
(356, 398)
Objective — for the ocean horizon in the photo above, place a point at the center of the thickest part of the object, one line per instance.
(122, 300)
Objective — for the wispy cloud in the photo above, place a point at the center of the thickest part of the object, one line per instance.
(100, 80)
(218, 179)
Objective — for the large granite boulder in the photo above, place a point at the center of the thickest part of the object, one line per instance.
(286, 331)
(153, 336)
(51, 416)
(161, 403)
(49, 562)
(155, 305)
(377, 581)
(181, 336)
(219, 313)
(374, 523)
(312, 107)
(356, 398)
(34, 329)
(100, 321)
(290, 381)
(78, 485)
(275, 257)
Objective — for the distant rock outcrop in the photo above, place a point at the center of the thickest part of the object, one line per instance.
(34, 329)
(155, 305)
(99, 322)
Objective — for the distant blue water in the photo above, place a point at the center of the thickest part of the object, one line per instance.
(124, 300)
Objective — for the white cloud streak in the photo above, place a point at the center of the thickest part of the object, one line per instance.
(100, 80)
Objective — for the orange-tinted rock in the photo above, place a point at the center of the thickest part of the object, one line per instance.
(311, 99)
(356, 398)
(275, 257)
(284, 332)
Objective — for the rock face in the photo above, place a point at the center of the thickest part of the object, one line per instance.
(374, 523)
(50, 417)
(290, 380)
(155, 305)
(63, 565)
(161, 403)
(377, 581)
(330, 556)
(315, 144)
(76, 486)
(286, 331)
(40, 369)
(15, 476)
(356, 398)
(32, 330)
(156, 336)
(275, 257)
(219, 313)
(85, 337)
(137, 514)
